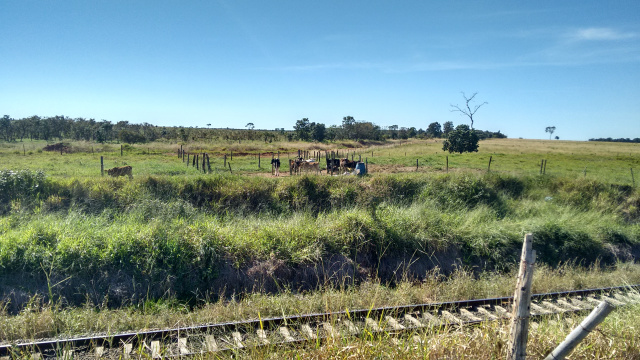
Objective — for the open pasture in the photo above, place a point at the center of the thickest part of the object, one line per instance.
(607, 162)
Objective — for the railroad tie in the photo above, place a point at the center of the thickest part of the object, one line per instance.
(568, 305)
(155, 349)
(413, 321)
(449, 317)
(486, 313)
(308, 333)
(351, 328)
(502, 311)
(469, 315)
(553, 307)
(393, 323)
(126, 350)
(430, 319)
(626, 298)
(210, 343)
(262, 337)
(182, 346)
(284, 331)
(99, 351)
(539, 310)
(370, 323)
(329, 330)
(612, 301)
(237, 339)
(582, 304)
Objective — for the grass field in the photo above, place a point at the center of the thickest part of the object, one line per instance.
(177, 242)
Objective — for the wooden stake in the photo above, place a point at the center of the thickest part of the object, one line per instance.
(598, 314)
(101, 166)
(416, 164)
(521, 302)
(633, 181)
(208, 164)
(121, 149)
(258, 160)
(188, 159)
(447, 163)
(225, 161)
(541, 164)
(230, 168)
(544, 171)
(489, 168)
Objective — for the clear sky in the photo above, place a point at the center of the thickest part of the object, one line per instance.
(572, 64)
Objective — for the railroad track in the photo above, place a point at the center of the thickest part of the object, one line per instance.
(232, 336)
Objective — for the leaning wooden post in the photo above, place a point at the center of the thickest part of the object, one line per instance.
(231, 156)
(544, 171)
(231, 171)
(489, 167)
(633, 181)
(521, 302)
(101, 166)
(579, 333)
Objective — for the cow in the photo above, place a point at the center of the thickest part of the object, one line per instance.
(333, 165)
(120, 171)
(347, 165)
(276, 164)
(310, 164)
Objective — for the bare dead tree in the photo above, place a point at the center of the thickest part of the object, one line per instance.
(468, 112)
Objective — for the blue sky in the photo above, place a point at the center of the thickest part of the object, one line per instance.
(570, 64)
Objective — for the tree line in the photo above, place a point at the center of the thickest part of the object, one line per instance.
(58, 128)
(625, 140)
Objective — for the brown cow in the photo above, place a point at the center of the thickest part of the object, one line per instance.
(348, 165)
(121, 171)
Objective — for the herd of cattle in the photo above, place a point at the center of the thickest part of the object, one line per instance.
(296, 166)
(299, 164)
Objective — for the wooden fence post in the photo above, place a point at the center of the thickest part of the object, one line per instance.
(204, 161)
(224, 165)
(196, 161)
(188, 159)
(447, 163)
(231, 156)
(258, 160)
(521, 302)
(101, 166)
(541, 164)
(180, 152)
(121, 149)
(544, 171)
(231, 171)
(489, 167)
(416, 164)
(596, 316)
(633, 181)
(208, 164)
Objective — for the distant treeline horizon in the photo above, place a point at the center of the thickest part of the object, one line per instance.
(65, 128)
(625, 140)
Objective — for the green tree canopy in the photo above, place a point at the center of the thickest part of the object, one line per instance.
(462, 139)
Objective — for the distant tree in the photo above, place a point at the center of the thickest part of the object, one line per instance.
(468, 112)
(318, 132)
(249, 126)
(302, 129)
(348, 127)
(434, 130)
(462, 139)
(208, 125)
(557, 137)
(447, 127)
(550, 130)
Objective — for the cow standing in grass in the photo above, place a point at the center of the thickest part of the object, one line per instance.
(276, 164)
(121, 171)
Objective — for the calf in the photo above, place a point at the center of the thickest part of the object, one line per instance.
(347, 164)
(121, 171)
(276, 164)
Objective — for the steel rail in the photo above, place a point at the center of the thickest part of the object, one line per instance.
(135, 339)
